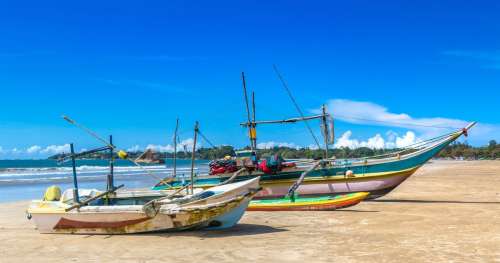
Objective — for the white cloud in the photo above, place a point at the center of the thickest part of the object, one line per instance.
(408, 139)
(362, 112)
(134, 148)
(160, 148)
(15, 151)
(313, 147)
(272, 144)
(33, 149)
(377, 141)
(188, 143)
(56, 149)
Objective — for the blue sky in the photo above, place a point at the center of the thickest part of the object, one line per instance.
(129, 68)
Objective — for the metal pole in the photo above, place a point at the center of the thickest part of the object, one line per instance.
(175, 147)
(76, 196)
(193, 155)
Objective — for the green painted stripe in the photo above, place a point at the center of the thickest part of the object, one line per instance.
(300, 199)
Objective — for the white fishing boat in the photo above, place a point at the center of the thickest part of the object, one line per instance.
(89, 211)
(215, 208)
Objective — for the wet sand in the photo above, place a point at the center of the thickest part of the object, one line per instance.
(449, 211)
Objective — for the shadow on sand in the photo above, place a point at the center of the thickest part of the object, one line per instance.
(238, 230)
(356, 211)
(432, 201)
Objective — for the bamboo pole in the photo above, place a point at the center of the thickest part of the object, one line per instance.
(250, 125)
(196, 128)
(86, 202)
(111, 164)
(291, 120)
(235, 174)
(325, 131)
(76, 196)
(175, 147)
(295, 186)
(254, 126)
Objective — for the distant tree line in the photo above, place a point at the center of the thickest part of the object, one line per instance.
(454, 150)
(462, 150)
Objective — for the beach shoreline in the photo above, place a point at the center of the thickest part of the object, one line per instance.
(447, 211)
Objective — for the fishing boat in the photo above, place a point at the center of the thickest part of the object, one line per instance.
(377, 175)
(89, 211)
(215, 208)
(320, 203)
(150, 157)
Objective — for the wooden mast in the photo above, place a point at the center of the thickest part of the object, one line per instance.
(251, 126)
(325, 131)
(193, 155)
(76, 196)
(175, 147)
(111, 164)
(254, 125)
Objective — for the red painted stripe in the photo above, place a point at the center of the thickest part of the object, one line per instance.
(65, 223)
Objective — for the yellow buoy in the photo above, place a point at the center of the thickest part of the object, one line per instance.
(122, 154)
(53, 193)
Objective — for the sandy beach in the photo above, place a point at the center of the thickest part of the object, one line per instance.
(449, 211)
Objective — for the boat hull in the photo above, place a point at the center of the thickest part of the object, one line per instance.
(222, 209)
(136, 221)
(376, 185)
(308, 204)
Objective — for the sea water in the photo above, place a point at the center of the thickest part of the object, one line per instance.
(28, 179)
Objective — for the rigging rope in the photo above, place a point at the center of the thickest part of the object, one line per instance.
(285, 85)
(206, 140)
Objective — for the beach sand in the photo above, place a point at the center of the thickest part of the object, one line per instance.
(449, 211)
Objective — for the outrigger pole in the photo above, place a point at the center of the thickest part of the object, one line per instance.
(291, 120)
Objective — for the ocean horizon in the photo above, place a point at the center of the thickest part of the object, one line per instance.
(27, 179)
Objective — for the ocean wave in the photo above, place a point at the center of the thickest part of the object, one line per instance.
(83, 170)
(65, 179)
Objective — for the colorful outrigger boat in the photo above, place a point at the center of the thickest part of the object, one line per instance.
(377, 175)
(320, 203)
